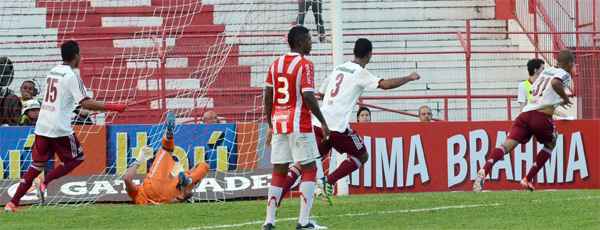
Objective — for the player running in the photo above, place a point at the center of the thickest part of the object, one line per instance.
(165, 182)
(53, 131)
(288, 102)
(536, 120)
(341, 91)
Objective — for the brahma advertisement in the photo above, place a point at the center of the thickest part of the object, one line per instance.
(404, 157)
(445, 156)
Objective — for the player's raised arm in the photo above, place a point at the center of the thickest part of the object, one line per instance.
(91, 104)
(397, 82)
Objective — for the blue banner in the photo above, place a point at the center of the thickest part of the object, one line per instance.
(15, 147)
(214, 144)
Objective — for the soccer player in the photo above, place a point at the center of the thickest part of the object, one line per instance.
(536, 120)
(165, 182)
(288, 102)
(53, 131)
(341, 91)
(534, 68)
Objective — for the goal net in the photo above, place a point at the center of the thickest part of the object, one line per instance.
(184, 56)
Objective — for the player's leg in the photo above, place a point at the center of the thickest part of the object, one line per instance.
(70, 153)
(351, 144)
(280, 158)
(294, 170)
(304, 149)
(519, 133)
(302, 8)
(40, 155)
(544, 132)
(318, 13)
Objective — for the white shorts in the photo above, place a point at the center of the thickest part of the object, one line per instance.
(293, 147)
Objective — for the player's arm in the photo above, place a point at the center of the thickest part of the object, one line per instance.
(268, 104)
(308, 96)
(559, 88)
(91, 104)
(522, 97)
(397, 82)
(79, 94)
(313, 105)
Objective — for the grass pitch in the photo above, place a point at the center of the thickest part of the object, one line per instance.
(570, 209)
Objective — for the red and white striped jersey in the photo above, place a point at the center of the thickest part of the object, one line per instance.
(289, 76)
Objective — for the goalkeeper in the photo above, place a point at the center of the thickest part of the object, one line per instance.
(166, 182)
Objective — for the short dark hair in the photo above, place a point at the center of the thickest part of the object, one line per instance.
(297, 35)
(566, 57)
(360, 110)
(362, 47)
(68, 50)
(534, 64)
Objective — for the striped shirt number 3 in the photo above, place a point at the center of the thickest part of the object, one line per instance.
(283, 90)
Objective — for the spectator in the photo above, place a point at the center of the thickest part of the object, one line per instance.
(210, 117)
(28, 90)
(363, 115)
(31, 110)
(317, 8)
(10, 104)
(82, 117)
(425, 114)
(534, 68)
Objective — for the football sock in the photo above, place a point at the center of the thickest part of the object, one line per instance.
(274, 196)
(541, 158)
(347, 167)
(496, 155)
(307, 189)
(25, 184)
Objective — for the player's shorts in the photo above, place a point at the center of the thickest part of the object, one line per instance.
(293, 147)
(533, 123)
(347, 142)
(67, 148)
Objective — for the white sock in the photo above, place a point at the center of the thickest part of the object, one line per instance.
(319, 164)
(273, 200)
(307, 188)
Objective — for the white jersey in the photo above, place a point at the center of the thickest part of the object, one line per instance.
(543, 95)
(341, 91)
(64, 89)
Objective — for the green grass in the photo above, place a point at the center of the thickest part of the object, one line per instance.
(573, 209)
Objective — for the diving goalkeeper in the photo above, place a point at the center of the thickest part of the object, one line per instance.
(166, 182)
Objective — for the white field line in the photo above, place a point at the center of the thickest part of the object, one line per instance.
(440, 208)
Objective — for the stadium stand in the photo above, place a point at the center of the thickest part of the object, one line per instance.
(436, 55)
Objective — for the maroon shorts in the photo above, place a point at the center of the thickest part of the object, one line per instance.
(347, 142)
(67, 148)
(532, 123)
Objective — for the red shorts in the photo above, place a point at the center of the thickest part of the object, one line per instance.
(347, 142)
(67, 148)
(533, 123)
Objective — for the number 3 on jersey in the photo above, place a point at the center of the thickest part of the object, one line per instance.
(283, 90)
(51, 90)
(338, 81)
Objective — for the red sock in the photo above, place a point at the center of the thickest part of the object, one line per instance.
(496, 155)
(309, 174)
(541, 158)
(291, 177)
(61, 170)
(25, 184)
(277, 181)
(347, 167)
